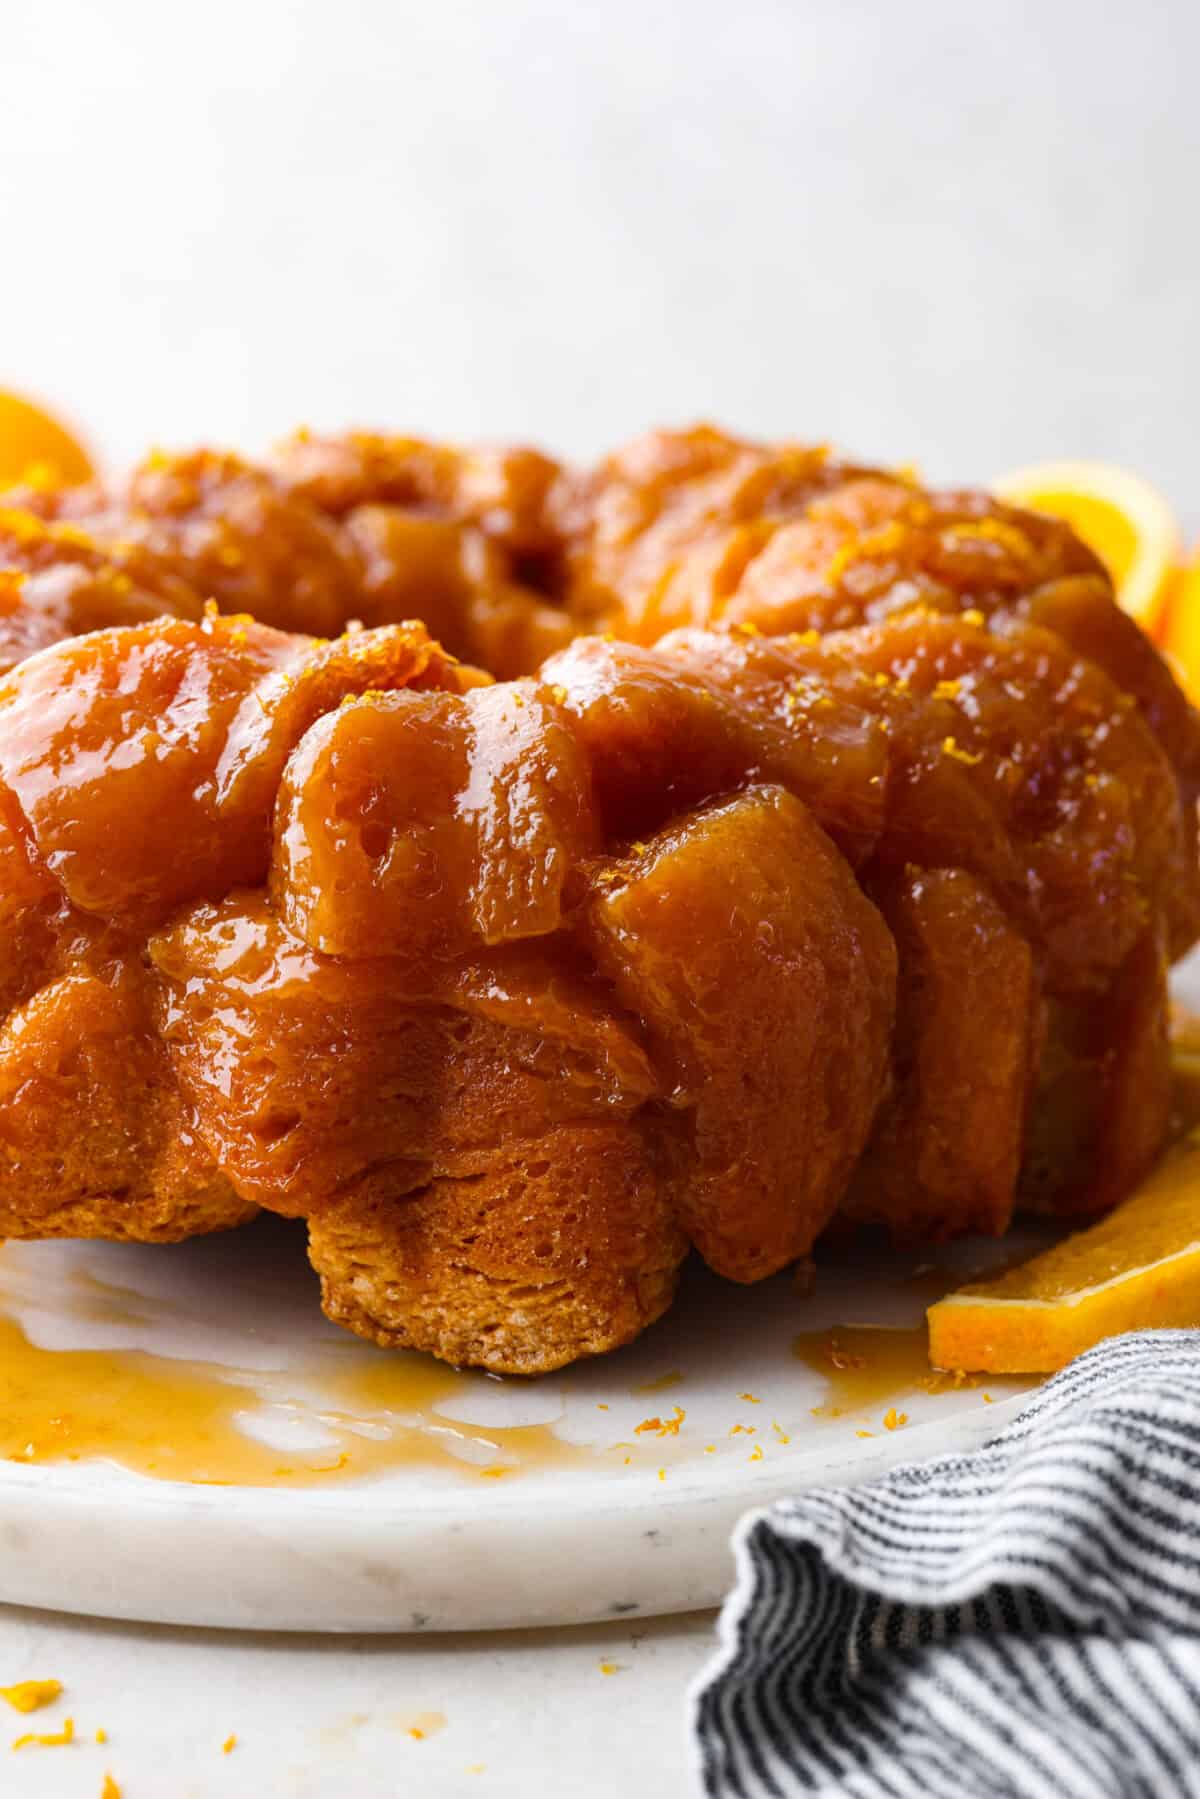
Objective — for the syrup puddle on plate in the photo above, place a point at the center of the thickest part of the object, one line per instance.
(870, 1366)
(187, 1421)
(115, 1354)
(866, 1366)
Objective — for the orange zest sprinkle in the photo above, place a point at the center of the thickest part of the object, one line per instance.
(894, 1420)
(951, 747)
(946, 1380)
(229, 1745)
(50, 1739)
(102, 1735)
(840, 1358)
(496, 1472)
(743, 1429)
(420, 1726)
(884, 541)
(756, 1454)
(31, 1695)
(110, 1789)
(780, 1433)
(612, 1667)
(864, 1433)
(754, 1400)
(990, 530)
(838, 563)
(662, 1427)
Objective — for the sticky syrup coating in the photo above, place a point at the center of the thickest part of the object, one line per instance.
(817, 858)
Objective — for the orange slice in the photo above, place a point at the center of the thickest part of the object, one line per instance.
(1138, 1269)
(1122, 518)
(1181, 638)
(33, 445)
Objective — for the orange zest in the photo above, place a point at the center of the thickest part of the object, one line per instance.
(51, 1739)
(31, 1695)
(1137, 1269)
(1125, 520)
(35, 447)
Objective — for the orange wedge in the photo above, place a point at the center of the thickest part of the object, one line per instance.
(1122, 518)
(33, 445)
(1138, 1269)
(1181, 638)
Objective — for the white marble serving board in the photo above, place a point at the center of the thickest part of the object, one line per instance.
(621, 1530)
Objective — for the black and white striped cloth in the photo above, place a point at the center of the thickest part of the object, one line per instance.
(1021, 1622)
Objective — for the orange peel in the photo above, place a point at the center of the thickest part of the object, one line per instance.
(1120, 516)
(31, 1695)
(1137, 1269)
(35, 446)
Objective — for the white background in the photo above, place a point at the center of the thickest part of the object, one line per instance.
(962, 234)
(965, 234)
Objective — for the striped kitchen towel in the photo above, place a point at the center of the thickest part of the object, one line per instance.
(1022, 1621)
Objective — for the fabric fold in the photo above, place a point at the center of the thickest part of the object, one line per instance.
(1023, 1620)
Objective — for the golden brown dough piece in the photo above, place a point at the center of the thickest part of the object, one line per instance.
(56, 581)
(520, 1259)
(1103, 1094)
(94, 1137)
(363, 528)
(470, 1152)
(834, 876)
(661, 531)
(947, 1148)
(391, 798)
(766, 980)
(459, 538)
